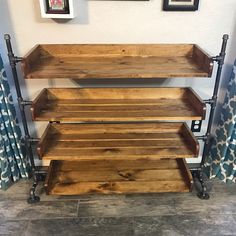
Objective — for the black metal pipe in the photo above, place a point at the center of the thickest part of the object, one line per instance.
(220, 60)
(34, 140)
(26, 103)
(13, 60)
(202, 137)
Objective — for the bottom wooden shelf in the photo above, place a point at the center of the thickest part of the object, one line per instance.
(124, 176)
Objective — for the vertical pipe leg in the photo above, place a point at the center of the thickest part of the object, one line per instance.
(203, 193)
(13, 61)
(220, 60)
(208, 142)
(33, 198)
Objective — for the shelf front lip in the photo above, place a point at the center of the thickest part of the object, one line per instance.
(125, 77)
(119, 119)
(40, 102)
(122, 157)
(104, 185)
(184, 137)
(203, 62)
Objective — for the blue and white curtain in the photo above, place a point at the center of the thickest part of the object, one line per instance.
(221, 161)
(13, 163)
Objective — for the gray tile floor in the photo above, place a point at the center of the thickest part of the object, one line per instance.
(108, 215)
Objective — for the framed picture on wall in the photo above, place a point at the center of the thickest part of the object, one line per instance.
(180, 5)
(57, 7)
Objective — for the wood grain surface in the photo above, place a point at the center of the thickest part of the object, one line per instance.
(82, 61)
(106, 177)
(117, 104)
(150, 141)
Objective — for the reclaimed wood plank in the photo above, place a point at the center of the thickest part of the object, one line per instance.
(115, 164)
(115, 137)
(118, 187)
(117, 153)
(115, 117)
(107, 94)
(117, 61)
(117, 141)
(203, 59)
(114, 179)
(190, 138)
(113, 50)
(116, 128)
(84, 144)
(125, 104)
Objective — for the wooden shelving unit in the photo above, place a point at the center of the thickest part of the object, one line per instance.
(126, 142)
(117, 140)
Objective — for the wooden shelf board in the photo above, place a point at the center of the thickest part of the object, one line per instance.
(117, 141)
(126, 104)
(81, 61)
(108, 177)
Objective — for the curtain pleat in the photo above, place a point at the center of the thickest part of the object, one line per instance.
(13, 161)
(221, 161)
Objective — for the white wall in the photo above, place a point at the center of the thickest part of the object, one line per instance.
(121, 22)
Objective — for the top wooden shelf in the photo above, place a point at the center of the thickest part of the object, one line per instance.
(96, 61)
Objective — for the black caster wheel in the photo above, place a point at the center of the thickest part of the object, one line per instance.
(204, 196)
(32, 200)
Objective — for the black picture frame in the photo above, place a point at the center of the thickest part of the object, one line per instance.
(56, 9)
(185, 6)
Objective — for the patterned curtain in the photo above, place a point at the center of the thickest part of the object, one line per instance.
(221, 162)
(13, 163)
